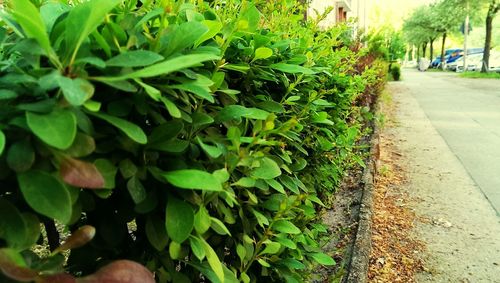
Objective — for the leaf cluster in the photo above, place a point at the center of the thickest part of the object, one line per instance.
(191, 138)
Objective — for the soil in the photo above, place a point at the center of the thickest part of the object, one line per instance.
(342, 221)
(431, 222)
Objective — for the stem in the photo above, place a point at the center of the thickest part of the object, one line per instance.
(52, 234)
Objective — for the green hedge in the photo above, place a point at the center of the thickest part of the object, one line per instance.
(193, 138)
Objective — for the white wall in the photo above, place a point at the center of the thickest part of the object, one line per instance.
(359, 10)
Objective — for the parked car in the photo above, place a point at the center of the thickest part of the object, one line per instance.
(457, 60)
(474, 63)
(447, 53)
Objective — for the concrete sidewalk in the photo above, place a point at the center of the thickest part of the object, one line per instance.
(466, 113)
(456, 221)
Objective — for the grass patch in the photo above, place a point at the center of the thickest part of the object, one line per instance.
(478, 75)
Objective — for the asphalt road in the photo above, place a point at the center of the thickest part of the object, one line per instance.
(466, 113)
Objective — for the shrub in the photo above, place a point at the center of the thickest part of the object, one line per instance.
(193, 139)
(395, 71)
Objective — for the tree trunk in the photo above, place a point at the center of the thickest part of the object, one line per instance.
(431, 49)
(442, 51)
(492, 10)
(424, 48)
(418, 53)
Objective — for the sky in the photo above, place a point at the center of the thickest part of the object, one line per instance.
(391, 12)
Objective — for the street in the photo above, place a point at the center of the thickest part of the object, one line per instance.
(466, 113)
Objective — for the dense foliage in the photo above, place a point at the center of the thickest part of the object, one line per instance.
(193, 138)
(395, 71)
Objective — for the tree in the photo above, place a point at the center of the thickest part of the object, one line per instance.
(446, 16)
(418, 29)
(493, 9)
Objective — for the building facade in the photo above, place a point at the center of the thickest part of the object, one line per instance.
(342, 11)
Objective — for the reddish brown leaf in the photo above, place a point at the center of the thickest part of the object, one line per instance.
(120, 271)
(13, 266)
(56, 278)
(81, 174)
(79, 238)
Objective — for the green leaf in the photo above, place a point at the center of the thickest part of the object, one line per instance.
(127, 168)
(46, 195)
(175, 249)
(102, 42)
(285, 226)
(200, 120)
(245, 182)
(21, 156)
(135, 58)
(83, 145)
(291, 68)
(207, 271)
(57, 129)
(94, 61)
(271, 248)
(198, 90)
(213, 260)
(32, 229)
(219, 227)
(263, 262)
(150, 15)
(156, 232)
(222, 175)
(131, 130)
(292, 263)
(108, 172)
(84, 19)
(214, 27)
(271, 106)
(182, 37)
(276, 185)
(197, 247)
(76, 91)
(261, 219)
(12, 227)
(267, 169)
(193, 179)
(202, 220)
(210, 150)
(241, 252)
(165, 67)
(262, 53)
(171, 146)
(166, 131)
(154, 93)
(251, 17)
(172, 109)
(136, 190)
(299, 164)
(200, 87)
(286, 242)
(7, 94)
(81, 174)
(242, 68)
(179, 219)
(28, 16)
(13, 265)
(2, 142)
(92, 106)
(322, 258)
(235, 112)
